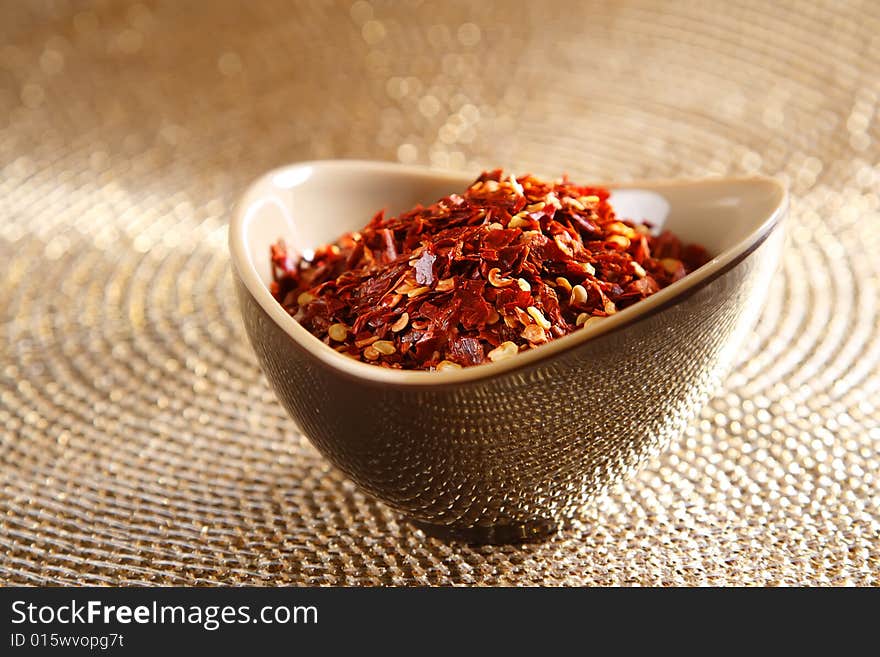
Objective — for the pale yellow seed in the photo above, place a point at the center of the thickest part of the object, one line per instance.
(671, 265)
(401, 323)
(477, 185)
(534, 333)
(524, 318)
(589, 269)
(610, 308)
(495, 226)
(581, 319)
(551, 199)
(620, 240)
(642, 229)
(447, 365)
(384, 347)
(514, 183)
(366, 341)
(563, 246)
(502, 351)
(622, 229)
(445, 284)
(563, 283)
(338, 332)
(638, 269)
(518, 222)
(493, 317)
(498, 281)
(539, 318)
(371, 354)
(491, 186)
(536, 207)
(587, 200)
(590, 321)
(305, 298)
(578, 294)
(573, 202)
(523, 285)
(417, 292)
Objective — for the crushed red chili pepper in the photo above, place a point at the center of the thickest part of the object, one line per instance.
(506, 266)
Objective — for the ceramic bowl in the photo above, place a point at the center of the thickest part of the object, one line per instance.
(507, 451)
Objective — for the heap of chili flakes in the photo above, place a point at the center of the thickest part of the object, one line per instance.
(504, 267)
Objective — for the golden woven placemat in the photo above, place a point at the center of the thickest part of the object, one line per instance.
(139, 444)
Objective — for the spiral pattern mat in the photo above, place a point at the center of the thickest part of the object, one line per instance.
(139, 443)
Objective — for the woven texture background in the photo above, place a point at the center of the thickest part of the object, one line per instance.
(139, 443)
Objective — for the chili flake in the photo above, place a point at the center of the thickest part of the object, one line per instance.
(480, 276)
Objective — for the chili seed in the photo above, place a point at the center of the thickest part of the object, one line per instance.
(366, 341)
(498, 281)
(619, 240)
(563, 246)
(523, 285)
(522, 316)
(447, 365)
(502, 351)
(551, 199)
(562, 282)
(338, 332)
(445, 285)
(517, 188)
(401, 323)
(578, 295)
(539, 318)
(590, 321)
(621, 228)
(534, 333)
(370, 353)
(305, 298)
(384, 347)
(573, 202)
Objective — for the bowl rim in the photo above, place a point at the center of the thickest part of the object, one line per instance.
(665, 298)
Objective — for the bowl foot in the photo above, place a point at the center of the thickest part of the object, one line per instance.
(532, 531)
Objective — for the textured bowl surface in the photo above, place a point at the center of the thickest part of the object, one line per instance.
(507, 450)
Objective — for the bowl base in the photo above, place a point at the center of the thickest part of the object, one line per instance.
(532, 531)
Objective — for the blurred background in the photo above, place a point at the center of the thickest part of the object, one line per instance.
(140, 444)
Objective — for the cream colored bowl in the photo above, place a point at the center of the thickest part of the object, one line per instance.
(508, 450)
